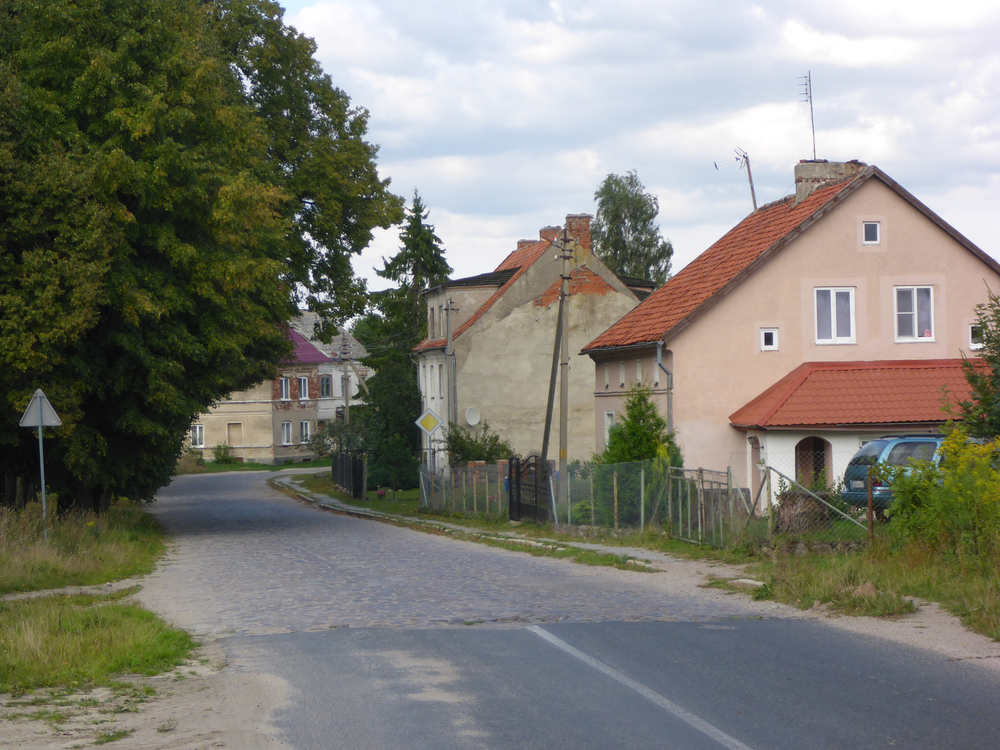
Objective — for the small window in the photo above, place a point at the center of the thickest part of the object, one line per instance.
(609, 422)
(769, 339)
(835, 316)
(975, 336)
(326, 386)
(914, 313)
(441, 381)
(607, 375)
(303, 388)
(871, 233)
(286, 392)
(304, 432)
(197, 436)
(286, 433)
(621, 373)
(638, 371)
(430, 325)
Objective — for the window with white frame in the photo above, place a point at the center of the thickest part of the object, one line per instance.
(326, 386)
(286, 390)
(769, 339)
(638, 371)
(609, 422)
(441, 381)
(304, 432)
(303, 388)
(607, 375)
(835, 315)
(197, 436)
(621, 373)
(871, 233)
(286, 433)
(914, 313)
(975, 336)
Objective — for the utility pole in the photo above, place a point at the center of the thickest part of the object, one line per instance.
(452, 367)
(564, 376)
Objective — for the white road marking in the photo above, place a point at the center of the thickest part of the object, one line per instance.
(651, 695)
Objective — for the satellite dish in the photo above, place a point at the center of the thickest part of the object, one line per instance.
(472, 416)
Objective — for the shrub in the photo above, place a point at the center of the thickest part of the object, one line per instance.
(223, 454)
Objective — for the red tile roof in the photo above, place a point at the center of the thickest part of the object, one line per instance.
(581, 281)
(305, 352)
(723, 265)
(828, 394)
(521, 259)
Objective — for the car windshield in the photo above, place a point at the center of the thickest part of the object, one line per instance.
(869, 453)
(916, 450)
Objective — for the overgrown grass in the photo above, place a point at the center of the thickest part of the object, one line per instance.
(188, 464)
(405, 504)
(83, 640)
(79, 550)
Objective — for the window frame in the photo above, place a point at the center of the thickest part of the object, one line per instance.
(285, 385)
(621, 373)
(764, 346)
(197, 435)
(609, 422)
(305, 431)
(638, 371)
(326, 386)
(878, 232)
(303, 388)
(914, 313)
(834, 323)
(286, 433)
(973, 346)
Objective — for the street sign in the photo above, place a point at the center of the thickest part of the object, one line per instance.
(429, 422)
(40, 412)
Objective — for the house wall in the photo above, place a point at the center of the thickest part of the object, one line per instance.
(504, 360)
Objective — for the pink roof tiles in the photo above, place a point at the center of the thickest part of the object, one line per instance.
(305, 352)
(828, 394)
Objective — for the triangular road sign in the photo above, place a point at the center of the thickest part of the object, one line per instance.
(40, 412)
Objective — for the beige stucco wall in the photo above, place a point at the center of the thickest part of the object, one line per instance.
(717, 362)
(504, 360)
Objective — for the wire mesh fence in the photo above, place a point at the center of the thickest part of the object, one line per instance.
(475, 490)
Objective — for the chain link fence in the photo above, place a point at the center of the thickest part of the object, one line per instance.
(476, 490)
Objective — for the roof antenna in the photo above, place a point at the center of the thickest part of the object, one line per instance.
(807, 96)
(743, 159)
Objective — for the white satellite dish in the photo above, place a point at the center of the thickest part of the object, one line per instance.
(472, 416)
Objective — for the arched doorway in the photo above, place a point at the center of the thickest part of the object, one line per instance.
(812, 462)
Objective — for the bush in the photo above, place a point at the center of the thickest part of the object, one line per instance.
(463, 446)
(223, 454)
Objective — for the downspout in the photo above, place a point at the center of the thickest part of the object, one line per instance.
(670, 386)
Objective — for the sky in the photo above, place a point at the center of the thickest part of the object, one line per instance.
(507, 115)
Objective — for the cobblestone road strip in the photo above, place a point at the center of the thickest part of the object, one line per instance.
(249, 560)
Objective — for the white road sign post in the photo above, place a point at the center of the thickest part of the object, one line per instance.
(40, 414)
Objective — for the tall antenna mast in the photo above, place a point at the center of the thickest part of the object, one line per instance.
(743, 159)
(807, 96)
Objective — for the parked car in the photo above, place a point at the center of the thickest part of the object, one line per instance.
(898, 450)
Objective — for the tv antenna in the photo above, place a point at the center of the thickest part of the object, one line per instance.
(742, 159)
(807, 96)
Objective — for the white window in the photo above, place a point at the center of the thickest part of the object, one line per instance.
(835, 315)
(621, 373)
(914, 313)
(769, 339)
(975, 336)
(303, 388)
(326, 386)
(441, 381)
(285, 389)
(430, 325)
(607, 375)
(609, 422)
(197, 436)
(638, 370)
(870, 233)
(304, 432)
(286, 433)
(423, 379)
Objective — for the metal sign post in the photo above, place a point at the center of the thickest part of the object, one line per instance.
(40, 414)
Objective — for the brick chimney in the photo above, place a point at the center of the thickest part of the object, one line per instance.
(549, 233)
(525, 243)
(810, 175)
(578, 227)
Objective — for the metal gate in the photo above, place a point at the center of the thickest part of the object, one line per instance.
(530, 490)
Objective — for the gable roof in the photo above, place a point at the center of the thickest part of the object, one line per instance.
(740, 252)
(518, 262)
(305, 352)
(832, 394)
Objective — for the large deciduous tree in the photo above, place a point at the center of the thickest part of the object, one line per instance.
(157, 224)
(625, 235)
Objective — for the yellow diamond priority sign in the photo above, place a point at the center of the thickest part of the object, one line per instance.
(429, 422)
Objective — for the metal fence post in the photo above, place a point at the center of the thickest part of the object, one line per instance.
(642, 499)
(701, 505)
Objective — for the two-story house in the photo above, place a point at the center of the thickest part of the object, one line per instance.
(488, 353)
(820, 321)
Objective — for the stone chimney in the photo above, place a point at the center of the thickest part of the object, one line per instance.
(549, 233)
(578, 227)
(810, 175)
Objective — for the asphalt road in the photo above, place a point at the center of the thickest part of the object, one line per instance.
(366, 624)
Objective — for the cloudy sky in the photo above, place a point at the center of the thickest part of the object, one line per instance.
(507, 114)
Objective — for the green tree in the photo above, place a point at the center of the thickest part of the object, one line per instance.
(981, 410)
(156, 228)
(642, 432)
(625, 235)
(487, 446)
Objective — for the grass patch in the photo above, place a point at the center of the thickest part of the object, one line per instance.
(80, 549)
(83, 640)
(405, 504)
(105, 738)
(211, 467)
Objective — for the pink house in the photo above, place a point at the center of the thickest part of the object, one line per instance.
(819, 322)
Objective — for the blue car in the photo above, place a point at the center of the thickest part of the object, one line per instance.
(898, 450)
